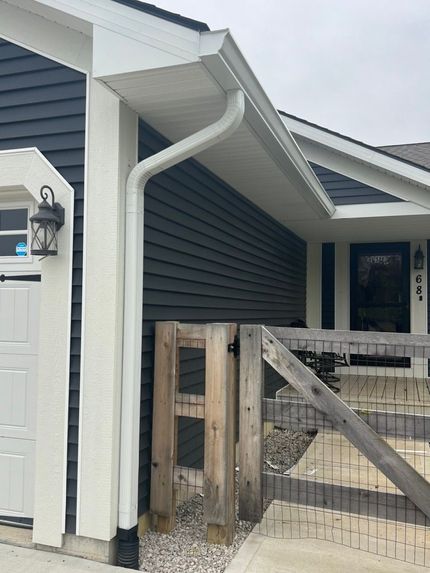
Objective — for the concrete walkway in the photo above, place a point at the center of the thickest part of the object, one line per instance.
(21, 560)
(260, 553)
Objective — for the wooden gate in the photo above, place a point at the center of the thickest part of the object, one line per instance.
(217, 407)
(319, 407)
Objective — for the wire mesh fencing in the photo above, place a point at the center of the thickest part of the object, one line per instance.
(334, 443)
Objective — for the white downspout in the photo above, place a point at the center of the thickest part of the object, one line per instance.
(133, 292)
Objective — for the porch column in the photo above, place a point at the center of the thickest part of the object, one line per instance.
(313, 285)
(112, 152)
(342, 286)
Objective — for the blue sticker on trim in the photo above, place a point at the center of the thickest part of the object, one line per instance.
(21, 249)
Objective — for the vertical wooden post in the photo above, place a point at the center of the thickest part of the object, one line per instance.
(251, 446)
(164, 428)
(220, 409)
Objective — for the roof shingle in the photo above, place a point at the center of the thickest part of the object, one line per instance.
(165, 15)
(418, 153)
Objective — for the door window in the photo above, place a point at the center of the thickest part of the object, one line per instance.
(380, 287)
(14, 233)
(380, 292)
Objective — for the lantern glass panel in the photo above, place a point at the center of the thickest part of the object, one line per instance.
(44, 241)
(419, 260)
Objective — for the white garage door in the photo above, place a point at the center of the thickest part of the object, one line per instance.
(19, 320)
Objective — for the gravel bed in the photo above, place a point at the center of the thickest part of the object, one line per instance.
(185, 548)
(284, 448)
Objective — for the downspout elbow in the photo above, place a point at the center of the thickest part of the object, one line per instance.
(186, 148)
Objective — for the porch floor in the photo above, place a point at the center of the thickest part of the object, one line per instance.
(400, 394)
(332, 459)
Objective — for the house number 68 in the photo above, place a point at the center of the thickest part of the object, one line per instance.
(419, 290)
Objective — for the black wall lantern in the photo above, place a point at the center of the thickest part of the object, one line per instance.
(45, 225)
(419, 259)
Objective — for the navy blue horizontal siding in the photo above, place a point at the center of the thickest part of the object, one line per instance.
(210, 256)
(343, 190)
(42, 104)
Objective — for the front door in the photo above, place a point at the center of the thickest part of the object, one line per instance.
(19, 327)
(380, 287)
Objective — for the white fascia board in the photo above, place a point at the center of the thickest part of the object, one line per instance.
(130, 54)
(371, 210)
(227, 65)
(359, 152)
(128, 22)
(374, 176)
(45, 37)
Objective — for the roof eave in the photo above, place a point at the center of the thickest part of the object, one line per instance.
(226, 63)
(365, 154)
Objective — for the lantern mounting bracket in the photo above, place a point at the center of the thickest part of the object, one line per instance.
(56, 207)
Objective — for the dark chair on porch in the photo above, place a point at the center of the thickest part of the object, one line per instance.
(324, 364)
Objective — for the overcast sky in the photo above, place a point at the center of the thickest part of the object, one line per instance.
(361, 67)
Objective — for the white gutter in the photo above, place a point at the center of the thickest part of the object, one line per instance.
(133, 292)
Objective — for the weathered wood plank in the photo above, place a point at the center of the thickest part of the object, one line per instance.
(164, 434)
(354, 342)
(192, 343)
(389, 462)
(219, 454)
(251, 448)
(189, 478)
(191, 332)
(297, 415)
(190, 405)
(342, 498)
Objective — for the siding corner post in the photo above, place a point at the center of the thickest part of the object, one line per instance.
(164, 430)
(220, 434)
(251, 447)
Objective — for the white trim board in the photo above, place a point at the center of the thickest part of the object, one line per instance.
(374, 176)
(81, 15)
(27, 170)
(45, 37)
(372, 157)
(112, 152)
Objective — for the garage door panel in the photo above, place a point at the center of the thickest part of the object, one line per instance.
(19, 318)
(16, 477)
(18, 396)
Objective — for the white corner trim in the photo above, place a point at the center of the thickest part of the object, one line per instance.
(45, 37)
(112, 152)
(28, 169)
(342, 287)
(313, 285)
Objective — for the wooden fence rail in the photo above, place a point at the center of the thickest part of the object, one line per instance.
(217, 409)
(260, 344)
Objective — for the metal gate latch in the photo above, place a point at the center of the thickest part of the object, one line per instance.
(235, 346)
